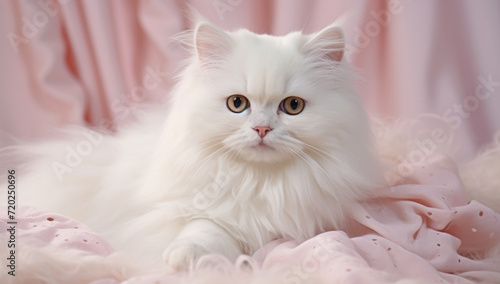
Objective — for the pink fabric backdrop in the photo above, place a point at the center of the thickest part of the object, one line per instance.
(88, 62)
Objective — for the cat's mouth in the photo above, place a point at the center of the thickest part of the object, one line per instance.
(263, 146)
(259, 150)
(262, 149)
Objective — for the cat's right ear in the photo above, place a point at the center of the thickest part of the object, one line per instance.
(329, 41)
(210, 42)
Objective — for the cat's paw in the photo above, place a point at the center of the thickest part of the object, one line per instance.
(181, 255)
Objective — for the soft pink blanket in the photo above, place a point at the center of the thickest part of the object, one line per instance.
(422, 229)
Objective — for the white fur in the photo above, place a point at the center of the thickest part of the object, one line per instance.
(192, 175)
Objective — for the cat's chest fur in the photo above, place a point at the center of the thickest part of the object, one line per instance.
(260, 202)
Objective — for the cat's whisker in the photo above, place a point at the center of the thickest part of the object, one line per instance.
(324, 175)
(325, 154)
(186, 164)
(200, 165)
(219, 138)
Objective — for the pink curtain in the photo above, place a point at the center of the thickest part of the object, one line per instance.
(89, 62)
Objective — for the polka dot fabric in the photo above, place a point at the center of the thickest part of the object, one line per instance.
(50, 229)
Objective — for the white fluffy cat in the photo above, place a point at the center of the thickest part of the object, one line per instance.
(264, 138)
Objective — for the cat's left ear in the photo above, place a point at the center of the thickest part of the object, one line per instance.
(329, 41)
(211, 43)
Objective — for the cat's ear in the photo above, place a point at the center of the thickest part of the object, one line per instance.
(210, 42)
(329, 41)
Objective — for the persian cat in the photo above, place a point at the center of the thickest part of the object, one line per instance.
(263, 138)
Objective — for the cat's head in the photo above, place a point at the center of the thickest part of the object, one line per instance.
(270, 99)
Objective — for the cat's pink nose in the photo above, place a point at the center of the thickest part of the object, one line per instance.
(262, 130)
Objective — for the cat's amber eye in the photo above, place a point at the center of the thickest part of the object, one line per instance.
(237, 103)
(292, 105)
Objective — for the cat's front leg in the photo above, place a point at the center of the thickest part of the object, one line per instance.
(197, 238)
